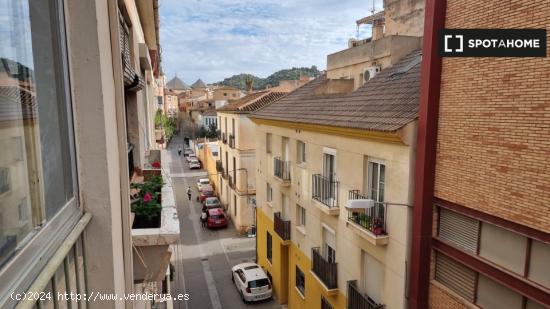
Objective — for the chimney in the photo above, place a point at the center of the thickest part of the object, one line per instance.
(377, 29)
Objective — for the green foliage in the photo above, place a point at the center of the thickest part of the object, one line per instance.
(159, 118)
(148, 204)
(240, 80)
(212, 131)
(202, 132)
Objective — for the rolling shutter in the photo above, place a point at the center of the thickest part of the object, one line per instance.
(458, 229)
(455, 276)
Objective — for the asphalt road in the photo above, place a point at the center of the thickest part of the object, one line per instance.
(203, 258)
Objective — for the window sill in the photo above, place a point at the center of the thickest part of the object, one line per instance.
(301, 229)
(300, 293)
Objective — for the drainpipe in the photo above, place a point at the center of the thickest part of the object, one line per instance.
(430, 84)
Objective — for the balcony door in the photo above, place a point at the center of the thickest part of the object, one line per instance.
(329, 167)
(372, 277)
(329, 245)
(284, 151)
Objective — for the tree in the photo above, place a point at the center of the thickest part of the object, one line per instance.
(212, 131)
(202, 132)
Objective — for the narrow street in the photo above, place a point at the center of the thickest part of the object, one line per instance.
(203, 258)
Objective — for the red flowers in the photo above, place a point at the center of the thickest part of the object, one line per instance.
(147, 197)
(155, 164)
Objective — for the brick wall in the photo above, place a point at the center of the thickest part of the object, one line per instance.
(494, 126)
(440, 298)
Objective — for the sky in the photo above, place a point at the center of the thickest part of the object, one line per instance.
(215, 39)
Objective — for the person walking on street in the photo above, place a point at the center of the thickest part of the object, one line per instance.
(179, 151)
(204, 216)
(189, 193)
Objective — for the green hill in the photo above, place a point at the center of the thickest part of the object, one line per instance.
(272, 80)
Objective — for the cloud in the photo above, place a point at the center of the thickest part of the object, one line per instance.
(214, 39)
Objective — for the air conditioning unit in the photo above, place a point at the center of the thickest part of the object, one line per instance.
(371, 72)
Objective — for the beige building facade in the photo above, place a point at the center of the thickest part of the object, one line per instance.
(75, 111)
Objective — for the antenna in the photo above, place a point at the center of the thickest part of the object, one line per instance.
(373, 6)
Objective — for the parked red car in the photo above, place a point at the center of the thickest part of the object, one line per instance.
(216, 218)
(207, 191)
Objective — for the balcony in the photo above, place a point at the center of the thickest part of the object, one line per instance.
(282, 228)
(219, 166)
(224, 138)
(358, 300)
(231, 141)
(367, 218)
(219, 134)
(325, 194)
(324, 271)
(281, 170)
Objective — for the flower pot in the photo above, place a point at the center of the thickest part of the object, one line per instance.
(143, 222)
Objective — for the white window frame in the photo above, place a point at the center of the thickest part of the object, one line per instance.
(44, 241)
(378, 163)
(301, 152)
(269, 193)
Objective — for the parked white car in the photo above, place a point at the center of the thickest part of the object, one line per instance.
(191, 157)
(251, 282)
(194, 164)
(202, 182)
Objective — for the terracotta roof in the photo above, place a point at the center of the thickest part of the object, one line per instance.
(385, 103)
(252, 102)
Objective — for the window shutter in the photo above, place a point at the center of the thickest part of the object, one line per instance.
(458, 229)
(455, 276)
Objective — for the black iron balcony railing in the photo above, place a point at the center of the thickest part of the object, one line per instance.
(219, 166)
(358, 300)
(281, 169)
(231, 182)
(325, 190)
(282, 227)
(324, 270)
(224, 138)
(372, 219)
(231, 140)
(219, 134)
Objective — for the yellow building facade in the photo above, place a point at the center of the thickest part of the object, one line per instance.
(334, 198)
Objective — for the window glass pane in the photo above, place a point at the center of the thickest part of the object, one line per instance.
(35, 162)
(538, 267)
(502, 247)
(493, 295)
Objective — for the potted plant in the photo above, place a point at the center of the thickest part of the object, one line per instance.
(377, 228)
(147, 207)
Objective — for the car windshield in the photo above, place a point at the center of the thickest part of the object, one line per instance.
(216, 216)
(205, 182)
(258, 283)
(211, 202)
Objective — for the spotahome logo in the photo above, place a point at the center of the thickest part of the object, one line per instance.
(492, 43)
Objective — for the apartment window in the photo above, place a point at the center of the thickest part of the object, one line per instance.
(269, 192)
(376, 180)
(301, 215)
(458, 229)
(269, 246)
(503, 247)
(233, 126)
(268, 138)
(37, 170)
(329, 245)
(300, 281)
(235, 205)
(301, 152)
(539, 271)
(446, 272)
(493, 295)
(372, 277)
